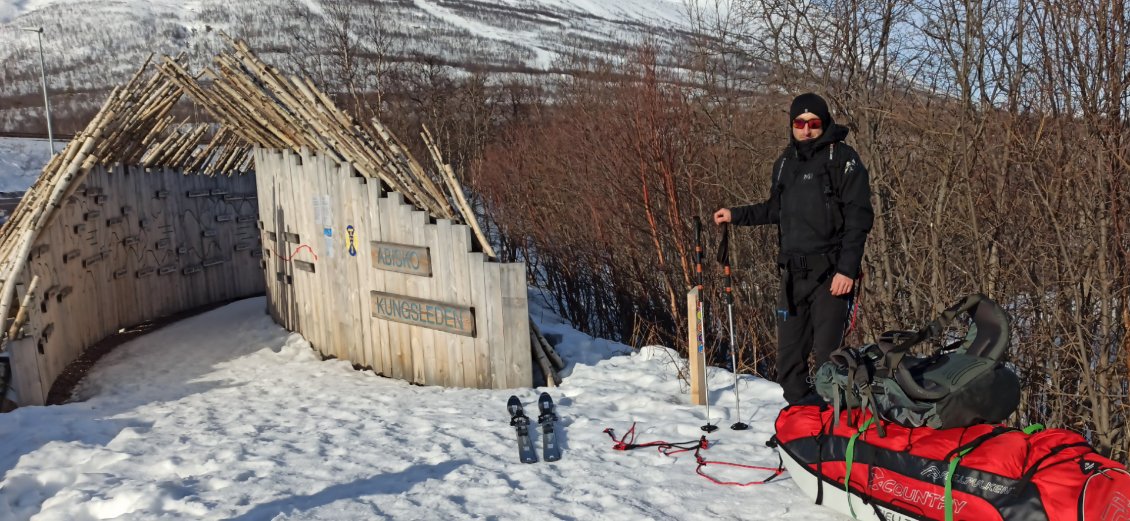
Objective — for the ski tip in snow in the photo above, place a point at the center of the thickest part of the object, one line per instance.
(547, 418)
(521, 424)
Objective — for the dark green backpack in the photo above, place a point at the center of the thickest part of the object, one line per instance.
(961, 384)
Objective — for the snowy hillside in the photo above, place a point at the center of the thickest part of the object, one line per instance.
(227, 416)
(82, 55)
(21, 161)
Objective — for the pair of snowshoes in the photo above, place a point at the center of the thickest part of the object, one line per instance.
(547, 419)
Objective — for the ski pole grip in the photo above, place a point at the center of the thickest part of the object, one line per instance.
(724, 246)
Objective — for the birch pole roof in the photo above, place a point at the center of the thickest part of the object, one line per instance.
(252, 105)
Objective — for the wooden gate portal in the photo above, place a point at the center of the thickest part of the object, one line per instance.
(370, 255)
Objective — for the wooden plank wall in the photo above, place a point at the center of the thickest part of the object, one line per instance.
(130, 246)
(314, 210)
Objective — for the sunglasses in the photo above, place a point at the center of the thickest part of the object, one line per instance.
(813, 123)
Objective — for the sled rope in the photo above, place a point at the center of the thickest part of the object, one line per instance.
(703, 462)
(628, 442)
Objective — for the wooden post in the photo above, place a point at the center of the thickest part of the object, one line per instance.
(551, 378)
(548, 349)
(696, 349)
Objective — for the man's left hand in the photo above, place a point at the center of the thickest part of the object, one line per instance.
(842, 284)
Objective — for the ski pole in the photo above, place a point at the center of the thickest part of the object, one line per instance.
(724, 258)
(709, 427)
(853, 309)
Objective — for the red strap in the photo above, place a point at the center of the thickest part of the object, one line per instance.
(703, 463)
(628, 442)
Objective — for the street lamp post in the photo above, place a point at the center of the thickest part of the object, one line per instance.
(43, 80)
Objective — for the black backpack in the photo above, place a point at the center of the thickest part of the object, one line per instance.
(961, 384)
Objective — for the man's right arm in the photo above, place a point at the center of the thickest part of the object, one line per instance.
(768, 212)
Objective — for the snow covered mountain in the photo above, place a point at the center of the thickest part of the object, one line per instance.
(92, 44)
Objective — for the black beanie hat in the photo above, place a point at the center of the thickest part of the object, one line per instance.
(809, 102)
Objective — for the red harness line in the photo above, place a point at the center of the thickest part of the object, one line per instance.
(295, 252)
(628, 442)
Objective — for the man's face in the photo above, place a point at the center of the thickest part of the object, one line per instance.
(806, 122)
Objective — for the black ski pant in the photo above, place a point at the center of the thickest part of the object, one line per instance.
(809, 319)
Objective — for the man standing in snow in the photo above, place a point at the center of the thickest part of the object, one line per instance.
(820, 199)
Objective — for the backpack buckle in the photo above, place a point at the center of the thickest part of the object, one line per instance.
(793, 263)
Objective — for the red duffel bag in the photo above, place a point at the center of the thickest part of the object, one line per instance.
(978, 473)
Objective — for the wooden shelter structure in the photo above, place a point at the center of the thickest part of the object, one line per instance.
(370, 255)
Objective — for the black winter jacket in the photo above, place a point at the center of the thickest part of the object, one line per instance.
(821, 202)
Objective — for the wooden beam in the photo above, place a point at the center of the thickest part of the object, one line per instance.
(696, 352)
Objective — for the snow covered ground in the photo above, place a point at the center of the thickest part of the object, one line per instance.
(228, 416)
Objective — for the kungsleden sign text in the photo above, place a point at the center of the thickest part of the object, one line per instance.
(451, 318)
(412, 260)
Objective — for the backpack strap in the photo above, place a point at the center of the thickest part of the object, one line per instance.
(826, 429)
(834, 173)
(780, 168)
(893, 356)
